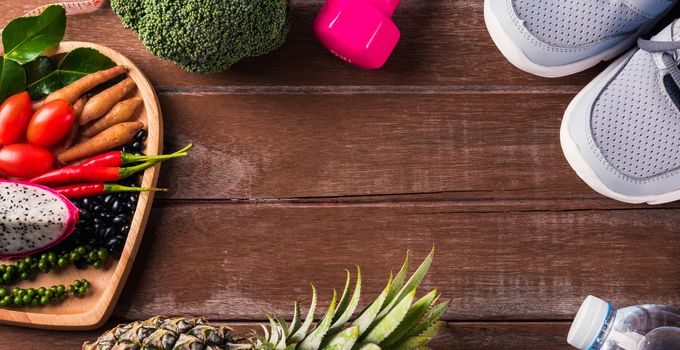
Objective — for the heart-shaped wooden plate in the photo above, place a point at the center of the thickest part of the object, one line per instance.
(95, 308)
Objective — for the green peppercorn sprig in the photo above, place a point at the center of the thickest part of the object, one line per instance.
(42, 296)
(46, 262)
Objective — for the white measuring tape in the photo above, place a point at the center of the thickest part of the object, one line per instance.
(75, 7)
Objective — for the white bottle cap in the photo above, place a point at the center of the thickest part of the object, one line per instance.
(588, 322)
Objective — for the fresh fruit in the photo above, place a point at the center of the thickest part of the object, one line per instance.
(22, 160)
(51, 123)
(15, 113)
(96, 189)
(33, 218)
(392, 321)
(120, 158)
(89, 174)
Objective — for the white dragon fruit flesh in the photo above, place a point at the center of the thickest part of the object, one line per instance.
(32, 218)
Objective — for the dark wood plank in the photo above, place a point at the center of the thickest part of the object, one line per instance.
(234, 261)
(444, 44)
(450, 146)
(468, 336)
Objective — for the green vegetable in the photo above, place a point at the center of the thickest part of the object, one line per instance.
(206, 36)
(12, 78)
(46, 262)
(23, 40)
(44, 77)
(42, 296)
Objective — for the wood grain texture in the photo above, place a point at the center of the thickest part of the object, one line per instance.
(234, 261)
(93, 311)
(457, 336)
(305, 166)
(444, 45)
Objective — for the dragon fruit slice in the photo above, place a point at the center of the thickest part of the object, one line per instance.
(32, 218)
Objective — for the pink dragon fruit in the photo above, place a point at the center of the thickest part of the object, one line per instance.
(32, 218)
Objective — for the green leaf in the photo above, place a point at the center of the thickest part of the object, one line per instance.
(42, 77)
(412, 283)
(344, 299)
(368, 316)
(414, 315)
(302, 331)
(12, 78)
(295, 324)
(398, 280)
(344, 340)
(25, 38)
(368, 346)
(432, 317)
(313, 340)
(389, 323)
(419, 340)
(81, 62)
(343, 316)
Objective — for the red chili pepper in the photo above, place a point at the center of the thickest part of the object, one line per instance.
(89, 190)
(90, 174)
(118, 158)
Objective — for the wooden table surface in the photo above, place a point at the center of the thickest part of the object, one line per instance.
(305, 166)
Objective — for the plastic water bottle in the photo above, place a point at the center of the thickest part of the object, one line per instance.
(598, 326)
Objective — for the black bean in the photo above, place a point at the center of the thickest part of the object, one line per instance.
(141, 135)
(126, 149)
(137, 146)
(116, 205)
(108, 199)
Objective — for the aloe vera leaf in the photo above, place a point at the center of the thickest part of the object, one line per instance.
(398, 280)
(389, 323)
(313, 340)
(368, 346)
(413, 316)
(419, 340)
(350, 307)
(412, 283)
(344, 340)
(366, 318)
(295, 323)
(432, 317)
(302, 330)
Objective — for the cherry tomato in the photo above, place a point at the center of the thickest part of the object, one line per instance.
(51, 123)
(25, 161)
(15, 113)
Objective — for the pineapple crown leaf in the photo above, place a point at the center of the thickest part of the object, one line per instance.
(301, 332)
(344, 340)
(412, 283)
(367, 317)
(313, 340)
(399, 279)
(393, 320)
(431, 318)
(415, 314)
(417, 341)
(346, 309)
(390, 321)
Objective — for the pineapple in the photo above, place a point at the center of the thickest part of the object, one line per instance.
(394, 320)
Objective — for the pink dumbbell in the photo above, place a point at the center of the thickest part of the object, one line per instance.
(360, 32)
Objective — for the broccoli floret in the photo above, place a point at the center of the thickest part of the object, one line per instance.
(206, 36)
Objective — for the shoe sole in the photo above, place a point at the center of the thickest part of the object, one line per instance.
(516, 56)
(580, 165)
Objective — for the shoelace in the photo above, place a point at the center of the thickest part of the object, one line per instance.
(667, 50)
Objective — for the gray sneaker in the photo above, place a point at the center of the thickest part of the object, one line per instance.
(554, 38)
(622, 132)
